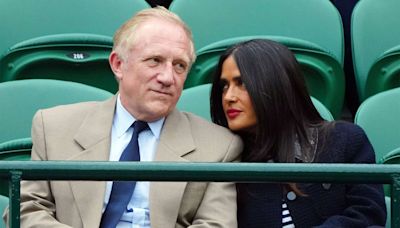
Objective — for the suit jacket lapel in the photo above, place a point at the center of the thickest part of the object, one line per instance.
(165, 197)
(94, 136)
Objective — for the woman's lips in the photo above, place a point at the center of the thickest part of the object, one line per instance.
(232, 113)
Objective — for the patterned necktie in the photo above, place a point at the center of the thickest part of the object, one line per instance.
(122, 191)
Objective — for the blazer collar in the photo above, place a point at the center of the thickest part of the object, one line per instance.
(97, 124)
(94, 137)
(176, 138)
(176, 141)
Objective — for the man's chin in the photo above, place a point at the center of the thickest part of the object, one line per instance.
(158, 111)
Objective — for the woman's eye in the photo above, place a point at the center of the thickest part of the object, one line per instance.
(224, 86)
(240, 83)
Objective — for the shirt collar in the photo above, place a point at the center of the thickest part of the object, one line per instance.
(123, 120)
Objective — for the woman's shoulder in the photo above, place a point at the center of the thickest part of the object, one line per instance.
(348, 130)
(352, 141)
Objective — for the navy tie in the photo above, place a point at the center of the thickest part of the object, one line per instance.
(122, 191)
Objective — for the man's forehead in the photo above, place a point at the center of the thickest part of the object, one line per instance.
(160, 44)
(164, 50)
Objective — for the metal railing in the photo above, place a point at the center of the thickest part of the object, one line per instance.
(15, 171)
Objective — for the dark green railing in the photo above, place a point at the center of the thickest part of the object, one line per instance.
(15, 171)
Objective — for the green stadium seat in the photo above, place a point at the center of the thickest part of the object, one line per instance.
(379, 116)
(14, 150)
(323, 111)
(197, 100)
(20, 99)
(316, 21)
(323, 73)
(20, 146)
(67, 39)
(376, 46)
(35, 18)
(76, 57)
(393, 157)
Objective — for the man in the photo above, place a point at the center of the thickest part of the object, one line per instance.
(152, 55)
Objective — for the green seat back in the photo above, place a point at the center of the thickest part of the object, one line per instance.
(72, 57)
(379, 116)
(323, 111)
(14, 150)
(375, 36)
(64, 39)
(316, 21)
(14, 145)
(384, 73)
(197, 100)
(19, 100)
(35, 18)
(393, 157)
(323, 73)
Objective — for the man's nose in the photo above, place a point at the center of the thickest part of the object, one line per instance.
(166, 76)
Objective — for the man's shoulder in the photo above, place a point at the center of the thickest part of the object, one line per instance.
(71, 108)
(212, 142)
(75, 112)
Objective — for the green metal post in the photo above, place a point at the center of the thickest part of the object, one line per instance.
(395, 207)
(15, 199)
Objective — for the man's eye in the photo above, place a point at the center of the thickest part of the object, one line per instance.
(154, 61)
(180, 67)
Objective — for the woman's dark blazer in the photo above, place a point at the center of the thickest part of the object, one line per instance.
(326, 205)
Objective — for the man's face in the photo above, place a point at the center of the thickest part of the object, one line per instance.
(152, 75)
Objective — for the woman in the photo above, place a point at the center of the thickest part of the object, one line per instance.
(259, 93)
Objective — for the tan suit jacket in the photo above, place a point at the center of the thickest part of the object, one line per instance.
(83, 131)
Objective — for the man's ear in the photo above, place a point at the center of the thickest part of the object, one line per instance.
(115, 64)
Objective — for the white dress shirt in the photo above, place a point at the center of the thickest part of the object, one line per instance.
(137, 214)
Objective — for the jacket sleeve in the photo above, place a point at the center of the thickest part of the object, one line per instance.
(218, 207)
(37, 203)
(365, 203)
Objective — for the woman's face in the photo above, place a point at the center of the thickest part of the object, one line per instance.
(236, 102)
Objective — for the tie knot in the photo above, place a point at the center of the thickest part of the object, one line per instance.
(139, 126)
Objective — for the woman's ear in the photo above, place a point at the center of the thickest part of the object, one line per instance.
(116, 63)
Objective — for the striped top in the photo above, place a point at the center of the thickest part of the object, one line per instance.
(287, 221)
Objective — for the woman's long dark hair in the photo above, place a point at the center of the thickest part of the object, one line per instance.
(284, 110)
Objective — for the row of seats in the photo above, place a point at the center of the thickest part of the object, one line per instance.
(71, 47)
(67, 39)
(20, 99)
